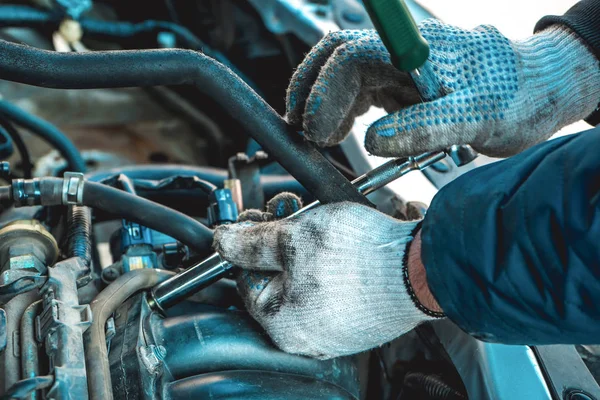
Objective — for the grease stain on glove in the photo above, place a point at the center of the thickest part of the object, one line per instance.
(328, 282)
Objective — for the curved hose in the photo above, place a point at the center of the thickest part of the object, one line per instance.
(6, 144)
(156, 172)
(47, 132)
(29, 17)
(96, 353)
(20, 144)
(171, 183)
(148, 213)
(49, 192)
(272, 184)
(112, 69)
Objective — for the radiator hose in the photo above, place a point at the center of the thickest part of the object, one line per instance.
(52, 191)
(139, 68)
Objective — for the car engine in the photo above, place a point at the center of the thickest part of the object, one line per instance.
(129, 130)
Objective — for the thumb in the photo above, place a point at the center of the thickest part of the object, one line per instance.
(252, 246)
(424, 127)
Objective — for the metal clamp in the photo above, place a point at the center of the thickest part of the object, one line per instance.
(72, 192)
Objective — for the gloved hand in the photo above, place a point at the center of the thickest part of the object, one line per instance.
(502, 96)
(327, 283)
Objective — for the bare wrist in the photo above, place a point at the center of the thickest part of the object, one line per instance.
(417, 276)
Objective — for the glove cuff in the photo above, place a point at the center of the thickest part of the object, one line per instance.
(560, 74)
(407, 284)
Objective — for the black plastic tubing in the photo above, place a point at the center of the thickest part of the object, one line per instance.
(148, 213)
(137, 68)
(47, 132)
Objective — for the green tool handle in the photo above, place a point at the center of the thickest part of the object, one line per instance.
(399, 33)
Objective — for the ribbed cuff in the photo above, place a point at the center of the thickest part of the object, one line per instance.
(559, 68)
(583, 19)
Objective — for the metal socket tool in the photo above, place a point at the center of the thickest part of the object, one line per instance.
(213, 268)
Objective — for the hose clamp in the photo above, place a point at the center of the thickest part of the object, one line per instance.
(72, 192)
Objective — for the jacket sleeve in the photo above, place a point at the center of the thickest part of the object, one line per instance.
(584, 19)
(512, 249)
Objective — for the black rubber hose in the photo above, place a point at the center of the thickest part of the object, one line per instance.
(431, 387)
(112, 69)
(110, 30)
(272, 184)
(49, 192)
(157, 172)
(175, 183)
(16, 16)
(46, 131)
(148, 213)
(14, 134)
(29, 17)
(6, 144)
(96, 353)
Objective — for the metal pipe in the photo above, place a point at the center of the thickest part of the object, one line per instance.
(96, 353)
(139, 68)
(30, 366)
(188, 282)
(208, 271)
(27, 386)
(10, 358)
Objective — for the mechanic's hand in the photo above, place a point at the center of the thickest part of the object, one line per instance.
(502, 96)
(328, 282)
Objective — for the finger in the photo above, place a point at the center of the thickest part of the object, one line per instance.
(261, 246)
(263, 294)
(339, 93)
(283, 205)
(251, 215)
(426, 127)
(251, 284)
(307, 72)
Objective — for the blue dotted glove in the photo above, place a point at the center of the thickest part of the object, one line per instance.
(502, 96)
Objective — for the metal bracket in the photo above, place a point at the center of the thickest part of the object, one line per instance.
(72, 192)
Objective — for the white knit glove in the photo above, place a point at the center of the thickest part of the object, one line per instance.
(338, 286)
(502, 96)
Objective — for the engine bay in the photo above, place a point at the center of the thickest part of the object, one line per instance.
(129, 130)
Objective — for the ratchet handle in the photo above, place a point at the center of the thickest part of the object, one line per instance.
(399, 33)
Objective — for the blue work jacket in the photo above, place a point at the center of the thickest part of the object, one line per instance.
(512, 249)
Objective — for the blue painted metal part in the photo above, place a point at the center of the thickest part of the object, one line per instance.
(492, 371)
